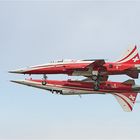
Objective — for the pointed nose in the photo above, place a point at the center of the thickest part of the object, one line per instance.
(18, 81)
(17, 71)
(22, 82)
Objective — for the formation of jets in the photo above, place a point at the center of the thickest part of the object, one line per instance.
(96, 73)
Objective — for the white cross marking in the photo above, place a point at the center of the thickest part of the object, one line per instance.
(132, 97)
(135, 59)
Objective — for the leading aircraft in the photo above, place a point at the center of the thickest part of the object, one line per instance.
(96, 69)
(125, 92)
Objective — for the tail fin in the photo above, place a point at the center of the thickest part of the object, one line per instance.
(126, 100)
(131, 56)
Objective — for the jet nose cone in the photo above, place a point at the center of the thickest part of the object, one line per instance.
(23, 82)
(17, 71)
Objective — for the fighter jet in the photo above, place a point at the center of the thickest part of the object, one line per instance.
(96, 69)
(125, 92)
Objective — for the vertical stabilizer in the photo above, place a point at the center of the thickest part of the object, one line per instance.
(126, 100)
(131, 56)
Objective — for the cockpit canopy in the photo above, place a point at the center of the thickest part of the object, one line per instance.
(63, 60)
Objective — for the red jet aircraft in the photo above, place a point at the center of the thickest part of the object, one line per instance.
(97, 70)
(125, 92)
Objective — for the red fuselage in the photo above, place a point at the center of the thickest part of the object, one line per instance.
(79, 68)
(80, 87)
(129, 64)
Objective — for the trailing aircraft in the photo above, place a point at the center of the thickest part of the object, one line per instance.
(125, 92)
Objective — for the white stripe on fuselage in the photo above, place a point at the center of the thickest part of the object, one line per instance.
(62, 88)
(51, 65)
(76, 90)
(63, 63)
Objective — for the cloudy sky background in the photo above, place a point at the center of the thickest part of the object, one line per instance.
(36, 32)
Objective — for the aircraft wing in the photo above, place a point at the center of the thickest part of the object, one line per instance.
(96, 63)
(87, 71)
(133, 73)
(93, 65)
(126, 100)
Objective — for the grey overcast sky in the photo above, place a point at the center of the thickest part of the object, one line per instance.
(36, 32)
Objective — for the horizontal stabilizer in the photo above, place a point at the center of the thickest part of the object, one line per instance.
(133, 73)
(130, 81)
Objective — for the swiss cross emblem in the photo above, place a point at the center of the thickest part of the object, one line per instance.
(135, 59)
(132, 97)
